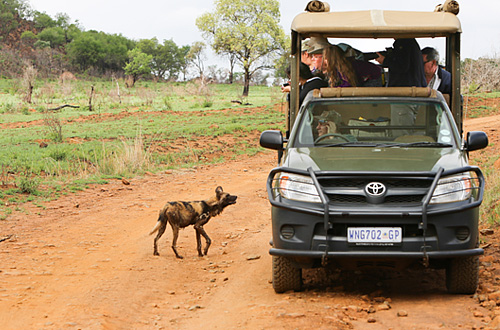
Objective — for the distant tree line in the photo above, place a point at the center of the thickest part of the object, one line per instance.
(246, 33)
(55, 45)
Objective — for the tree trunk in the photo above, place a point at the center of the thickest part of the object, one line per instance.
(29, 93)
(246, 86)
(231, 72)
(90, 99)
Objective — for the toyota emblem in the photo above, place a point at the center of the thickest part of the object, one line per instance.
(375, 189)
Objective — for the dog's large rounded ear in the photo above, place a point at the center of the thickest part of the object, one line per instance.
(218, 190)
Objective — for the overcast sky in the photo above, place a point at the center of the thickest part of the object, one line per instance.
(168, 19)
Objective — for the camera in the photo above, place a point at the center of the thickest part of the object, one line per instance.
(387, 51)
(286, 84)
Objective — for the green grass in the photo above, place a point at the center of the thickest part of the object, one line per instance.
(481, 111)
(490, 209)
(151, 127)
(478, 109)
(489, 95)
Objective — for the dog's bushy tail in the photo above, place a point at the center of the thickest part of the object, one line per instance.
(158, 224)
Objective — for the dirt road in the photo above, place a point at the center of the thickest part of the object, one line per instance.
(86, 262)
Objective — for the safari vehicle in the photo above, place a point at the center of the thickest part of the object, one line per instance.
(376, 193)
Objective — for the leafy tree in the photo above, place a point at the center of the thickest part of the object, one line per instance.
(58, 31)
(139, 64)
(11, 13)
(55, 36)
(8, 23)
(168, 58)
(99, 50)
(40, 44)
(43, 20)
(28, 37)
(63, 20)
(20, 8)
(85, 50)
(249, 30)
(114, 54)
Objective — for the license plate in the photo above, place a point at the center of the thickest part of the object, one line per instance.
(374, 235)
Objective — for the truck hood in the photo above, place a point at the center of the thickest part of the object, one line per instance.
(374, 159)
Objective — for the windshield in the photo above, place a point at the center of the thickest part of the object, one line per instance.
(374, 123)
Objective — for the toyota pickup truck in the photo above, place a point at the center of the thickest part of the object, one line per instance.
(374, 192)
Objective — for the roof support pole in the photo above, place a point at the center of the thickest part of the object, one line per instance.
(453, 66)
(294, 94)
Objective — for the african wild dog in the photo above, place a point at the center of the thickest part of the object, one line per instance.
(198, 213)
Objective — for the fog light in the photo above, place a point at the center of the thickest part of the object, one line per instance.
(287, 232)
(462, 233)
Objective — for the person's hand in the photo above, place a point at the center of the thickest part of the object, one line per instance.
(380, 59)
(286, 89)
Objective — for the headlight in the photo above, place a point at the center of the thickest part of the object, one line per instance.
(298, 187)
(453, 189)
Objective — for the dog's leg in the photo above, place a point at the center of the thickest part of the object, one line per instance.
(161, 230)
(175, 232)
(198, 242)
(201, 230)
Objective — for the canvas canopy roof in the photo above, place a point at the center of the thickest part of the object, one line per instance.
(376, 24)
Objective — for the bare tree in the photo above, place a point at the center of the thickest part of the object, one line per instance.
(29, 77)
(196, 58)
(481, 75)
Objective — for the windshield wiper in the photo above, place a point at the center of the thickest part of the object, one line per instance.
(422, 144)
(348, 144)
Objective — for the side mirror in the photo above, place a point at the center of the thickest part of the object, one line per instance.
(476, 140)
(272, 140)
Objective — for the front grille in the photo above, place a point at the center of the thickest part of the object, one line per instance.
(358, 199)
(347, 199)
(406, 199)
(351, 191)
(389, 182)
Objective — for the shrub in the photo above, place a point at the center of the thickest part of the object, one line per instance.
(482, 74)
(58, 155)
(28, 184)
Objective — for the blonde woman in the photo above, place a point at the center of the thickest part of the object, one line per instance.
(328, 129)
(338, 68)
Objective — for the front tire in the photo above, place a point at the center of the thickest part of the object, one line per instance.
(286, 277)
(462, 275)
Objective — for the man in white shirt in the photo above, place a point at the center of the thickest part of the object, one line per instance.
(437, 78)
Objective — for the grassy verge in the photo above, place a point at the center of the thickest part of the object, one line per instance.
(476, 106)
(153, 127)
(481, 104)
(490, 209)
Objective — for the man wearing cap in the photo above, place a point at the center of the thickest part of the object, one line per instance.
(305, 57)
(367, 74)
(316, 46)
